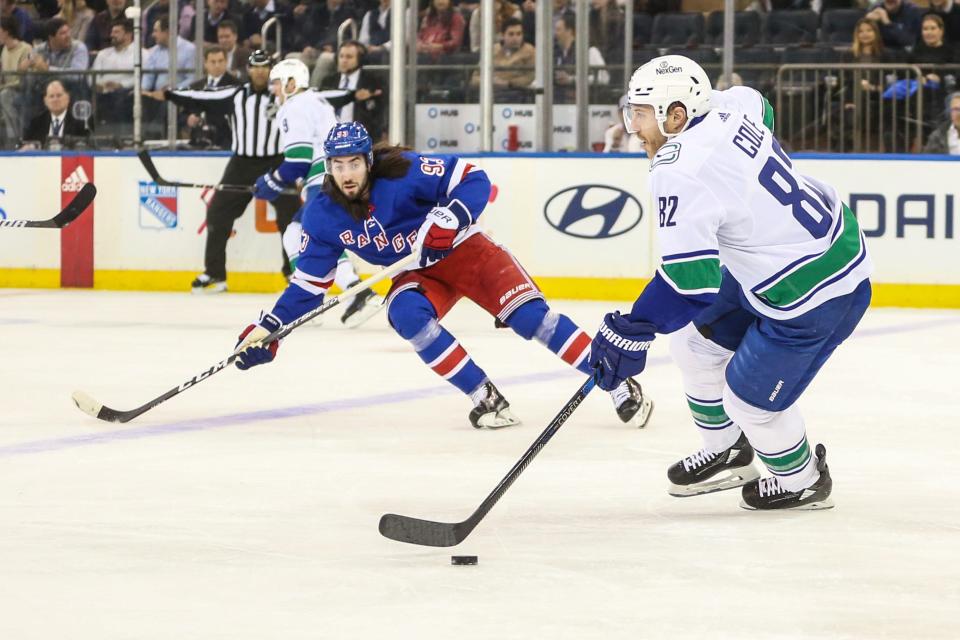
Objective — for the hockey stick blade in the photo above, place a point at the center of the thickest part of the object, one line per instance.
(151, 168)
(70, 213)
(428, 533)
(86, 403)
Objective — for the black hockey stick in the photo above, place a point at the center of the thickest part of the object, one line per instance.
(444, 534)
(70, 213)
(151, 168)
(89, 405)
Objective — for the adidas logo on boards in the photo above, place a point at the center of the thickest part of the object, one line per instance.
(75, 180)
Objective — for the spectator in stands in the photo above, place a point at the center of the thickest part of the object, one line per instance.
(931, 50)
(316, 31)
(529, 8)
(606, 27)
(217, 12)
(100, 34)
(899, 22)
(209, 122)
(867, 43)
(60, 51)
(370, 104)
(9, 9)
(14, 52)
(511, 85)
(259, 12)
(185, 22)
(722, 83)
(946, 138)
(56, 121)
(78, 15)
(236, 54)
(565, 57)
(156, 60)
(949, 10)
(503, 10)
(115, 90)
(375, 30)
(441, 31)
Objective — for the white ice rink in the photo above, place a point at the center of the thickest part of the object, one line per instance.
(247, 507)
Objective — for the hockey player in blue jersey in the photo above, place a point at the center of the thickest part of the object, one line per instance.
(388, 203)
(793, 284)
(305, 118)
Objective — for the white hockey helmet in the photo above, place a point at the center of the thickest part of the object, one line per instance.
(288, 69)
(664, 81)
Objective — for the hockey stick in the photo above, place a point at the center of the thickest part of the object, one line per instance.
(151, 168)
(70, 213)
(89, 405)
(443, 534)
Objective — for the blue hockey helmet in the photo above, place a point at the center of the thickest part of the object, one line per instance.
(348, 139)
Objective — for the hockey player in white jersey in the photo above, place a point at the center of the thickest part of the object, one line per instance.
(305, 118)
(763, 273)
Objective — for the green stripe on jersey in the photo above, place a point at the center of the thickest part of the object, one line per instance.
(316, 169)
(788, 461)
(692, 275)
(708, 414)
(768, 118)
(302, 152)
(797, 284)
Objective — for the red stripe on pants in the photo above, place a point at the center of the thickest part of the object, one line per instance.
(76, 241)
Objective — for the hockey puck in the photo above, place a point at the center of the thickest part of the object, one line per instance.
(466, 560)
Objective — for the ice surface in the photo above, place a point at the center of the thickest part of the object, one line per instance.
(247, 507)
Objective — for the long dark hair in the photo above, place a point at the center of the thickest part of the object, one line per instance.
(388, 163)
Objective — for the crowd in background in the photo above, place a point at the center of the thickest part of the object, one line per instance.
(56, 38)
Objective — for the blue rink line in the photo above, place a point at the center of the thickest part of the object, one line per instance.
(363, 402)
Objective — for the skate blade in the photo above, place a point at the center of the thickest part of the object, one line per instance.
(499, 420)
(734, 478)
(206, 291)
(373, 306)
(642, 416)
(819, 505)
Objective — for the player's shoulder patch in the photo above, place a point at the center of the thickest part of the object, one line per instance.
(668, 154)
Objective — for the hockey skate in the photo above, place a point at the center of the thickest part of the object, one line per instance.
(766, 494)
(205, 284)
(698, 474)
(364, 306)
(492, 410)
(632, 406)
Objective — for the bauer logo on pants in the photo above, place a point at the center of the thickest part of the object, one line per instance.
(158, 206)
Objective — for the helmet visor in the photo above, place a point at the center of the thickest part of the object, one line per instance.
(631, 114)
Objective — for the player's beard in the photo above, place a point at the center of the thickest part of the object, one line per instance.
(358, 206)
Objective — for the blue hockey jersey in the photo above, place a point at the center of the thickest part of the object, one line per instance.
(397, 209)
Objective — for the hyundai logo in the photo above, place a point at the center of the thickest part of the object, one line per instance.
(593, 211)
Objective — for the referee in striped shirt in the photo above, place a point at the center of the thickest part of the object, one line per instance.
(255, 144)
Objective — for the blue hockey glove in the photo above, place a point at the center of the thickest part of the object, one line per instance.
(250, 352)
(620, 348)
(439, 230)
(268, 187)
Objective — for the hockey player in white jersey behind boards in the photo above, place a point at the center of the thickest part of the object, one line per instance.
(305, 118)
(763, 273)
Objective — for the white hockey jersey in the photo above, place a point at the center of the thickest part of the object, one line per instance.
(726, 193)
(305, 119)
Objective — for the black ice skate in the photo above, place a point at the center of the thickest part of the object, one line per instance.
(492, 410)
(632, 406)
(205, 284)
(698, 474)
(363, 306)
(767, 494)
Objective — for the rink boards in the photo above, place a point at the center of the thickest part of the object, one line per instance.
(582, 224)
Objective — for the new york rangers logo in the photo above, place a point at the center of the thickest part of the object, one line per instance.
(158, 206)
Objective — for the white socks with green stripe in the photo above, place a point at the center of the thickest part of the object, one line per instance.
(779, 440)
(702, 364)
